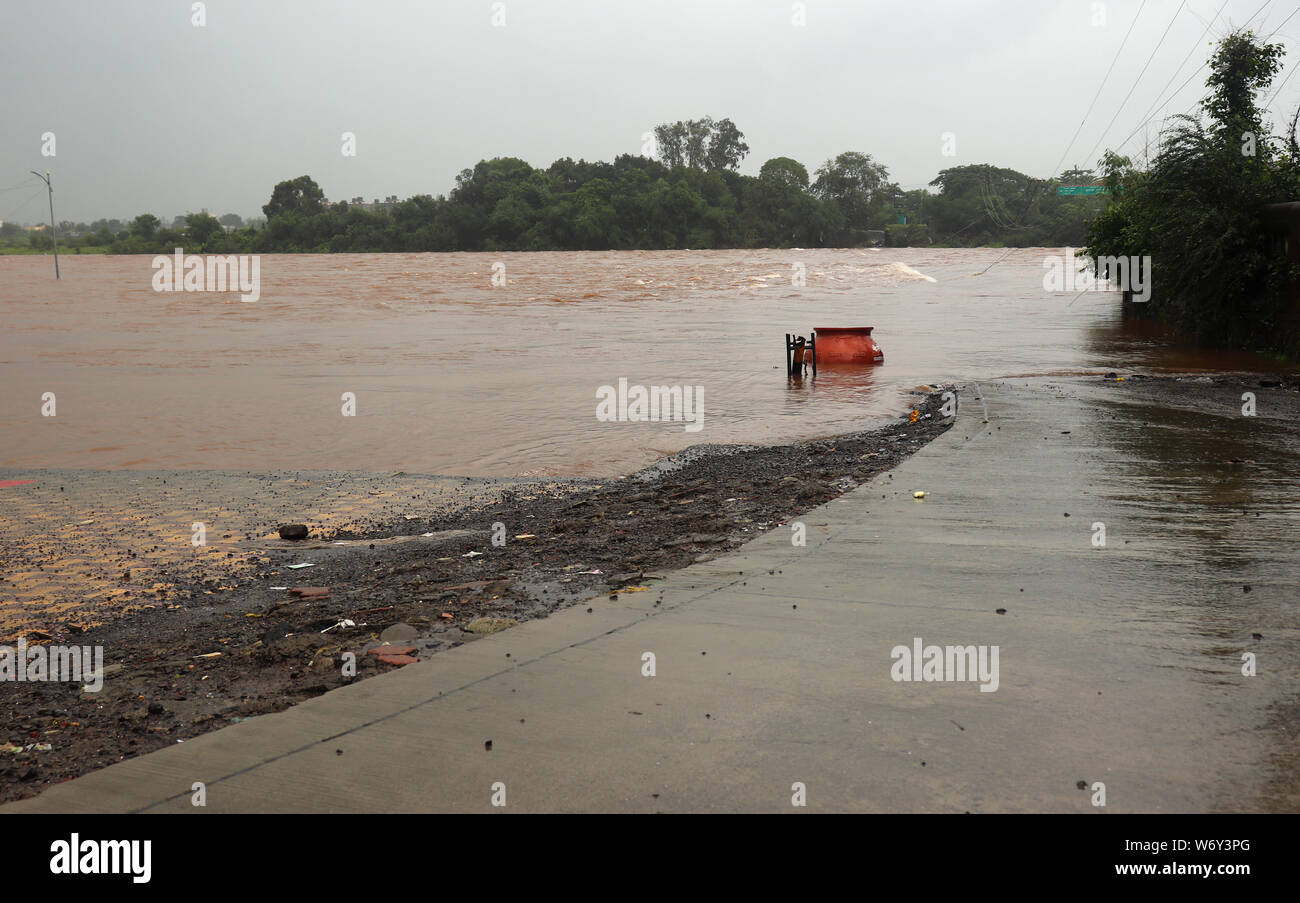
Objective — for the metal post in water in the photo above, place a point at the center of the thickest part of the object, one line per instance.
(54, 232)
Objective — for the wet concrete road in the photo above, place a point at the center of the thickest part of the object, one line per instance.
(1118, 664)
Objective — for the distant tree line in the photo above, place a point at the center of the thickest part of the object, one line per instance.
(143, 234)
(689, 195)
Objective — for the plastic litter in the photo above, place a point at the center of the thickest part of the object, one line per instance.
(305, 564)
(919, 494)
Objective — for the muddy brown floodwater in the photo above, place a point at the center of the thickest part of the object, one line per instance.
(177, 409)
(452, 375)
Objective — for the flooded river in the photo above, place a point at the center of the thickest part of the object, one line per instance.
(452, 374)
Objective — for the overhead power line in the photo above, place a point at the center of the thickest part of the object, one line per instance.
(1104, 78)
(1278, 90)
(1146, 117)
(1120, 109)
(1166, 102)
(1268, 103)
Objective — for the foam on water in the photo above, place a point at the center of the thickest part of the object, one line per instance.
(905, 272)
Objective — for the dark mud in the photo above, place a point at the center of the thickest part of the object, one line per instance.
(431, 583)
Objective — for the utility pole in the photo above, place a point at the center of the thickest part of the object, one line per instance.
(54, 232)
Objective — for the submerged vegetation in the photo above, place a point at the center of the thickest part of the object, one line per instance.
(1219, 269)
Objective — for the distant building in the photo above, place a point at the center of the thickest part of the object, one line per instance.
(377, 205)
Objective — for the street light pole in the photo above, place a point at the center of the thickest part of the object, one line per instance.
(54, 232)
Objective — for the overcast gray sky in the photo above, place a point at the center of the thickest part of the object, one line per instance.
(153, 114)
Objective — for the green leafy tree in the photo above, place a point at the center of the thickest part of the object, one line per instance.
(300, 196)
(784, 173)
(671, 143)
(859, 188)
(144, 226)
(727, 147)
(985, 205)
(777, 204)
(701, 144)
(200, 227)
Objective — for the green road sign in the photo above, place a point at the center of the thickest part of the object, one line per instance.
(1062, 190)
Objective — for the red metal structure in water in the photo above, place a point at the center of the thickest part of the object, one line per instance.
(847, 345)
